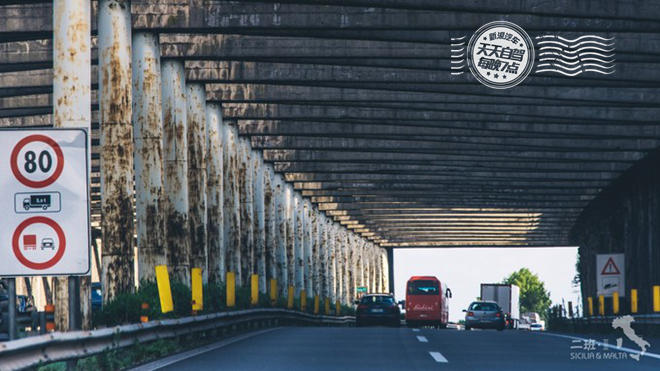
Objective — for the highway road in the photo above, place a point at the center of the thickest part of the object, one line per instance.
(378, 348)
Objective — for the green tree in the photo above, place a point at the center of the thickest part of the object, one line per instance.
(533, 295)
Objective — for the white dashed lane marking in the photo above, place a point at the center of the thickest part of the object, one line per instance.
(438, 357)
(422, 339)
(415, 330)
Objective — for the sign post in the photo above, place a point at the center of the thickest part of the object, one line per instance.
(611, 274)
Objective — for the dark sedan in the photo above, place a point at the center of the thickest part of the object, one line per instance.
(377, 309)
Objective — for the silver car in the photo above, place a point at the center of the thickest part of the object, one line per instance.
(484, 314)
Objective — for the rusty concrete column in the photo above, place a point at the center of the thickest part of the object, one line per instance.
(196, 113)
(148, 155)
(259, 202)
(352, 244)
(115, 111)
(270, 223)
(246, 206)
(359, 271)
(322, 255)
(281, 236)
(330, 259)
(373, 267)
(339, 263)
(232, 220)
(308, 258)
(346, 262)
(384, 269)
(72, 108)
(299, 207)
(215, 194)
(175, 148)
(291, 227)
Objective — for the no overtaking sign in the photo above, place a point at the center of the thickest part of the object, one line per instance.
(44, 203)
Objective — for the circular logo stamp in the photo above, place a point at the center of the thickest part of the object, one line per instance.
(500, 55)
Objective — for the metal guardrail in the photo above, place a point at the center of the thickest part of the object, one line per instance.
(61, 346)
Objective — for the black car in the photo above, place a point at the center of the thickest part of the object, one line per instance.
(377, 309)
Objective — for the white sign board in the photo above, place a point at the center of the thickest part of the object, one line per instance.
(611, 274)
(44, 203)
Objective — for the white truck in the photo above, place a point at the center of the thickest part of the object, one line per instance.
(507, 297)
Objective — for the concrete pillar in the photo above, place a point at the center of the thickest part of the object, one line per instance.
(281, 235)
(352, 244)
(259, 218)
(322, 255)
(384, 284)
(360, 262)
(72, 108)
(115, 111)
(372, 262)
(246, 192)
(346, 258)
(196, 102)
(340, 263)
(291, 227)
(368, 265)
(175, 147)
(148, 155)
(308, 254)
(232, 220)
(270, 222)
(299, 207)
(215, 194)
(331, 258)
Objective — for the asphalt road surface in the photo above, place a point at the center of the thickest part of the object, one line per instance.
(378, 348)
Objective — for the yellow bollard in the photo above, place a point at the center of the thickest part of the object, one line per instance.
(591, 305)
(254, 293)
(164, 289)
(303, 300)
(273, 291)
(615, 302)
(327, 306)
(231, 289)
(197, 290)
(289, 299)
(601, 305)
(337, 308)
(633, 301)
(656, 298)
(316, 304)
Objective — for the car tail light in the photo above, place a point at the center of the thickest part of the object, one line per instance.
(499, 315)
(471, 314)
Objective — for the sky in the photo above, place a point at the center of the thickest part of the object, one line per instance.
(465, 269)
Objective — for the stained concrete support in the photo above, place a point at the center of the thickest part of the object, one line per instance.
(374, 268)
(215, 194)
(299, 212)
(345, 263)
(281, 203)
(308, 258)
(148, 154)
(383, 270)
(196, 106)
(291, 231)
(331, 277)
(322, 251)
(246, 193)
(390, 270)
(353, 264)
(360, 263)
(259, 202)
(339, 263)
(231, 207)
(175, 147)
(270, 223)
(72, 108)
(115, 111)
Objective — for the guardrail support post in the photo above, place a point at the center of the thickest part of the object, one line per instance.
(290, 295)
(656, 299)
(601, 305)
(633, 301)
(231, 289)
(590, 302)
(615, 303)
(254, 292)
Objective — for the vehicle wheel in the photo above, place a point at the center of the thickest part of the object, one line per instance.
(501, 328)
(358, 323)
(396, 323)
(443, 325)
(27, 208)
(468, 328)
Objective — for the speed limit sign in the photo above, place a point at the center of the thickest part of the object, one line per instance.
(45, 203)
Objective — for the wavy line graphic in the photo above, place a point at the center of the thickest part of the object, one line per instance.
(571, 57)
(458, 55)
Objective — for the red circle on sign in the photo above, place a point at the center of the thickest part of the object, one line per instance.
(60, 236)
(58, 153)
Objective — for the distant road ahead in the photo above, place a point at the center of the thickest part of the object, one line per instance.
(403, 349)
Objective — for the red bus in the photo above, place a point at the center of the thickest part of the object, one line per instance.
(426, 302)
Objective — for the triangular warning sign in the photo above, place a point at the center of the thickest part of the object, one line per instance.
(610, 268)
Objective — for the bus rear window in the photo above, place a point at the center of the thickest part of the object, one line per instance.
(423, 287)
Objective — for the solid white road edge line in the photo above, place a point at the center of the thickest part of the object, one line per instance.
(613, 347)
(155, 365)
(422, 339)
(438, 357)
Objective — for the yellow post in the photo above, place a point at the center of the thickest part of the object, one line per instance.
(231, 289)
(327, 306)
(289, 299)
(601, 305)
(273, 291)
(254, 295)
(656, 298)
(164, 290)
(633, 301)
(337, 308)
(591, 305)
(316, 304)
(303, 300)
(197, 290)
(615, 302)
